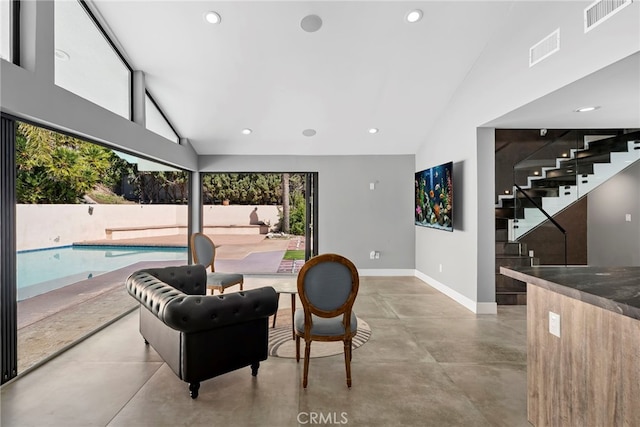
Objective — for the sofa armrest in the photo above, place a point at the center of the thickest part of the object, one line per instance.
(151, 292)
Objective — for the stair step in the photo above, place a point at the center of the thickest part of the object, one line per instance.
(509, 213)
(515, 261)
(511, 248)
(552, 182)
(585, 157)
(508, 284)
(569, 170)
(521, 201)
(616, 143)
(502, 223)
(511, 298)
(502, 235)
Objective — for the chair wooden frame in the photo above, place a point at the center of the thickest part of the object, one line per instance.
(211, 262)
(345, 310)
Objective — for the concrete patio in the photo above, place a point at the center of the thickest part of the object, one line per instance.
(52, 322)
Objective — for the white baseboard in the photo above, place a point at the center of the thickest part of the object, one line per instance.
(469, 304)
(486, 308)
(386, 272)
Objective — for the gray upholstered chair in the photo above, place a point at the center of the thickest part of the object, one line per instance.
(327, 287)
(204, 253)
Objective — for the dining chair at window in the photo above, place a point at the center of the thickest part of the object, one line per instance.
(204, 253)
(327, 287)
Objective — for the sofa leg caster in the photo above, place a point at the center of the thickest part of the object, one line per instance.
(193, 389)
(254, 368)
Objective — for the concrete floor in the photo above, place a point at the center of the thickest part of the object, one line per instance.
(429, 362)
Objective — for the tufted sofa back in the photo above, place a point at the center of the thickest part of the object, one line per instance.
(192, 313)
(189, 279)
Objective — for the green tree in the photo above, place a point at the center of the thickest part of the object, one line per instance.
(298, 214)
(242, 188)
(286, 207)
(57, 168)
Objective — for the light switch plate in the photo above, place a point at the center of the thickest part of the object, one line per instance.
(554, 324)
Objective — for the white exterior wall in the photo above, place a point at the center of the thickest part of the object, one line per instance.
(47, 226)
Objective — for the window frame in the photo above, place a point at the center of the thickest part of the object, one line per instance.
(164, 117)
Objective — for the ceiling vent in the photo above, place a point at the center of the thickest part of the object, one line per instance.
(544, 48)
(601, 10)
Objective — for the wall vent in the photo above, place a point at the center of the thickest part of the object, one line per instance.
(601, 10)
(544, 48)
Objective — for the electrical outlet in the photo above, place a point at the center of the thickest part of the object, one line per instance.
(372, 255)
(627, 217)
(554, 324)
(440, 268)
(377, 255)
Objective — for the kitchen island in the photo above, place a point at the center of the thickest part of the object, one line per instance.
(583, 345)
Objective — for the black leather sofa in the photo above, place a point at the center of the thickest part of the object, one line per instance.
(201, 336)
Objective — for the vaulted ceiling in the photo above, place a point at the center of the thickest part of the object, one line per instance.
(366, 67)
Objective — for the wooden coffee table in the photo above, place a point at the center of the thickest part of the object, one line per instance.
(291, 289)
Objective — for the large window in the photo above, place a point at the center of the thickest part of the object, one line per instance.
(5, 30)
(156, 122)
(86, 63)
(87, 217)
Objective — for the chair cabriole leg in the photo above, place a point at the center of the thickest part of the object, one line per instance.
(307, 355)
(347, 360)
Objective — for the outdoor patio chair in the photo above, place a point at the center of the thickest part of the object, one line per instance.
(204, 253)
(327, 287)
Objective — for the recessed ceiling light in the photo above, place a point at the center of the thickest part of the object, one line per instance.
(62, 55)
(414, 16)
(212, 17)
(506, 191)
(373, 131)
(246, 131)
(585, 109)
(565, 155)
(309, 132)
(311, 23)
(536, 173)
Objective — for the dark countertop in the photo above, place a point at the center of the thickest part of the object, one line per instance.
(612, 288)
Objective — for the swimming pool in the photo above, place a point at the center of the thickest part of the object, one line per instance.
(44, 270)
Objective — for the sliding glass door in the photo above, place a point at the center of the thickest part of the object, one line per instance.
(261, 223)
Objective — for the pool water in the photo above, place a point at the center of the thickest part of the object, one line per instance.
(44, 270)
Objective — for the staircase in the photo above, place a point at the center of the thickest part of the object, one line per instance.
(511, 254)
(555, 178)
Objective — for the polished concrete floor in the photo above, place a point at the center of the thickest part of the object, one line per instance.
(429, 362)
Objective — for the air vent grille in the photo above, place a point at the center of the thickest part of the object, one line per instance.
(544, 48)
(601, 10)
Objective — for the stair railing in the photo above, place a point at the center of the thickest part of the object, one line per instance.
(549, 217)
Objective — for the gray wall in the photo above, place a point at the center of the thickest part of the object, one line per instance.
(352, 219)
(499, 82)
(612, 241)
